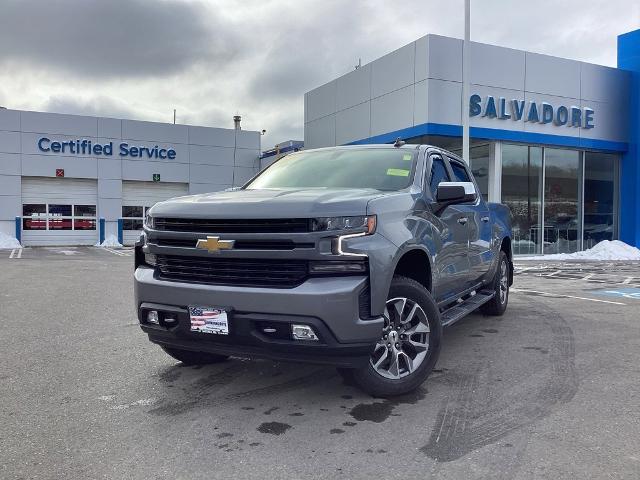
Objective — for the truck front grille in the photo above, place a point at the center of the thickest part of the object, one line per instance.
(199, 225)
(243, 272)
(239, 244)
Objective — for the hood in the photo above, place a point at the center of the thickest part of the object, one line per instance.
(269, 203)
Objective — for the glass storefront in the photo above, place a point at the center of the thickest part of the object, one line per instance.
(600, 198)
(522, 193)
(562, 200)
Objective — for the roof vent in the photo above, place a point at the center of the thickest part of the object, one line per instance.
(399, 142)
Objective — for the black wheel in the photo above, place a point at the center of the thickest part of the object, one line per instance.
(189, 357)
(409, 345)
(498, 304)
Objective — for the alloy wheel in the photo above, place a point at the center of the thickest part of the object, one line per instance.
(405, 339)
(504, 282)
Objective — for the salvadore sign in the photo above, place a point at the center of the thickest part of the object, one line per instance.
(86, 147)
(534, 112)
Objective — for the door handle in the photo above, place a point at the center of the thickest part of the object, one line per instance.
(485, 219)
(463, 220)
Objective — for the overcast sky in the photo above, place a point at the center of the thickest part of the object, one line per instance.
(140, 59)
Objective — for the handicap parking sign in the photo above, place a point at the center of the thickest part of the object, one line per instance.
(633, 293)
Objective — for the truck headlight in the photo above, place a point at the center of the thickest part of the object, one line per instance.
(363, 223)
(149, 221)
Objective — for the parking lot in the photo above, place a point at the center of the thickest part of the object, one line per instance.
(549, 390)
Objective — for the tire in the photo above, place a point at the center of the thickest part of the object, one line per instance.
(415, 354)
(498, 304)
(189, 357)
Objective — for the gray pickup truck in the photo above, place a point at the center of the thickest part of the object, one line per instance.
(352, 256)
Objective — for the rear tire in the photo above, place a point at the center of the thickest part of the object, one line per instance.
(189, 357)
(409, 346)
(498, 304)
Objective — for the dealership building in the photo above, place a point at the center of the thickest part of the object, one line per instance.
(76, 180)
(554, 139)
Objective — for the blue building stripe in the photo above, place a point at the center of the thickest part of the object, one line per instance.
(629, 59)
(496, 134)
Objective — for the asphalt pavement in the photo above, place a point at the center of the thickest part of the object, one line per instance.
(548, 391)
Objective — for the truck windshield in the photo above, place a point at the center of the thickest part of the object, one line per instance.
(377, 168)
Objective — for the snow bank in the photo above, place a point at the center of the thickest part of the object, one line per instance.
(8, 242)
(110, 242)
(605, 250)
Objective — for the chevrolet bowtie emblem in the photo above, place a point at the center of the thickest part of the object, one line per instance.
(214, 244)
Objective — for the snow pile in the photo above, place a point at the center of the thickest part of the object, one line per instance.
(605, 250)
(110, 242)
(7, 241)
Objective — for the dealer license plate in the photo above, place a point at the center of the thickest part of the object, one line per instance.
(209, 320)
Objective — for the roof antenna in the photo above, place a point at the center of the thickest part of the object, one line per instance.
(399, 142)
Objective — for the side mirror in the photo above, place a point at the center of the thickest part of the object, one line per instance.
(454, 193)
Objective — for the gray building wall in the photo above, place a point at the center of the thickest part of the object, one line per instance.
(207, 159)
(422, 83)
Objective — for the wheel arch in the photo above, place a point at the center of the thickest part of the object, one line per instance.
(506, 247)
(415, 263)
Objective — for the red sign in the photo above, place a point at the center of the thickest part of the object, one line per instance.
(59, 172)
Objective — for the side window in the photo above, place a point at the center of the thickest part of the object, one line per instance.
(438, 174)
(459, 172)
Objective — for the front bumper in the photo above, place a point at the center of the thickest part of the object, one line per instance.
(329, 305)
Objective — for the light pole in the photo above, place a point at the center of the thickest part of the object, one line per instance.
(466, 52)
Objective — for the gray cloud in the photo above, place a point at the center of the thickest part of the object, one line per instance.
(211, 59)
(113, 38)
(96, 106)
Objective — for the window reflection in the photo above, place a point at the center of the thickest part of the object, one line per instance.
(521, 184)
(561, 218)
(600, 217)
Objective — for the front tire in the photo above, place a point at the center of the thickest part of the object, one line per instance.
(498, 304)
(409, 345)
(189, 357)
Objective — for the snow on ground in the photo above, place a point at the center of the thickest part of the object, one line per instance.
(110, 242)
(7, 241)
(605, 250)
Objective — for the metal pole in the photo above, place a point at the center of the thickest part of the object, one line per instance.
(466, 47)
(174, 116)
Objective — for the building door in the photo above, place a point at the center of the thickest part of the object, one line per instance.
(59, 211)
(138, 197)
(562, 216)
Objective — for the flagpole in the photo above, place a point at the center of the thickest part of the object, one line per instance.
(466, 47)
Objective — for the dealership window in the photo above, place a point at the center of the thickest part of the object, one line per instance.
(521, 192)
(571, 196)
(479, 156)
(600, 198)
(58, 217)
(133, 216)
(561, 200)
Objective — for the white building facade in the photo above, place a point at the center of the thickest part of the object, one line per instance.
(75, 180)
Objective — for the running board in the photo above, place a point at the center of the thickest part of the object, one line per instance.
(462, 309)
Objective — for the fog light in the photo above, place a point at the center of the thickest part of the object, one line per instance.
(152, 317)
(150, 259)
(303, 332)
(337, 267)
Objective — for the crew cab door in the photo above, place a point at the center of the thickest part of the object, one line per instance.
(479, 226)
(451, 264)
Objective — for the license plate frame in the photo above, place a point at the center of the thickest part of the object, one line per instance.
(208, 320)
